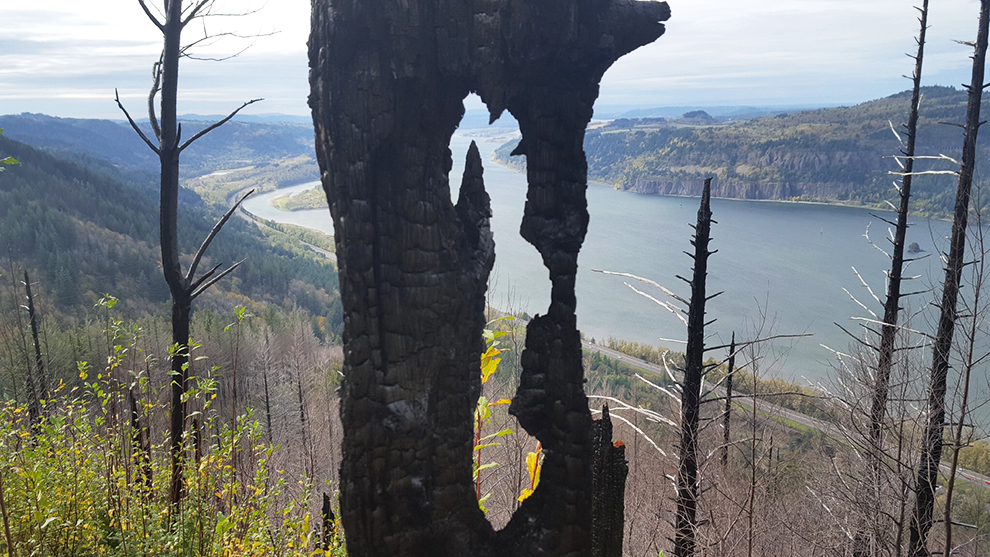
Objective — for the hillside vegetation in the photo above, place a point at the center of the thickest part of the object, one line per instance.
(830, 155)
(85, 230)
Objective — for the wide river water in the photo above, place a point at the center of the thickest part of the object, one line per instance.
(782, 264)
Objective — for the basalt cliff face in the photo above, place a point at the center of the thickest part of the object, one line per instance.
(842, 155)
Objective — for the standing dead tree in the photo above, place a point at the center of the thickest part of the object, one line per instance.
(388, 78)
(931, 450)
(685, 520)
(866, 540)
(727, 414)
(168, 145)
(892, 305)
(37, 384)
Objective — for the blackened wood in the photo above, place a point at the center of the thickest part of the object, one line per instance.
(329, 530)
(37, 384)
(726, 417)
(892, 305)
(388, 78)
(685, 519)
(925, 482)
(609, 473)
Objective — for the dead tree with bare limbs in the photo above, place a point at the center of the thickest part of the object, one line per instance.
(685, 518)
(931, 450)
(166, 141)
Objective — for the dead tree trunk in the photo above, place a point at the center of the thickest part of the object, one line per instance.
(685, 520)
(726, 417)
(892, 305)
(866, 536)
(610, 469)
(388, 79)
(168, 145)
(931, 450)
(37, 384)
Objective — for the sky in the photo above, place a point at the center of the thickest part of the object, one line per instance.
(65, 57)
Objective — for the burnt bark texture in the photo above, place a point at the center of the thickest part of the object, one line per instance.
(864, 545)
(931, 449)
(388, 78)
(37, 383)
(685, 518)
(609, 473)
(892, 305)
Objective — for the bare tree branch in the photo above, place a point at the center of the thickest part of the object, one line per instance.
(151, 16)
(134, 124)
(646, 280)
(215, 279)
(195, 284)
(213, 234)
(156, 71)
(195, 10)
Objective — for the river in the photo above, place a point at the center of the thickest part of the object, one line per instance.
(782, 266)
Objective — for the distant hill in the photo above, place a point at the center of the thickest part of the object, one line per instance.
(829, 154)
(84, 231)
(233, 144)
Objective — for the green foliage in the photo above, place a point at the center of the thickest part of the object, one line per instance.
(310, 199)
(483, 411)
(86, 232)
(7, 161)
(974, 456)
(85, 482)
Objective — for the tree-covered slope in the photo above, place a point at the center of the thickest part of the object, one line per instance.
(83, 232)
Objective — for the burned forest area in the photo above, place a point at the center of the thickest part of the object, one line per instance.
(187, 371)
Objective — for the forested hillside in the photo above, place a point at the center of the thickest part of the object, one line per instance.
(84, 231)
(830, 154)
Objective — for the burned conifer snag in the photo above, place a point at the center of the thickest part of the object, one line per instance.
(388, 79)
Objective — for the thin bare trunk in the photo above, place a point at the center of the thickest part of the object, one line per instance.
(37, 379)
(6, 521)
(726, 417)
(969, 362)
(921, 520)
(685, 527)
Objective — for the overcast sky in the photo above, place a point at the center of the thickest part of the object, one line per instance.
(65, 57)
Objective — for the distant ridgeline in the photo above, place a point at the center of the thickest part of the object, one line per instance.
(830, 155)
(88, 229)
(232, 145)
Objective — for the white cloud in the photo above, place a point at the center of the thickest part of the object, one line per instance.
(714, 52)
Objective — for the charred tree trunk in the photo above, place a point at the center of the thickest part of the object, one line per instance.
(140, 443)
(177, 414)
(37, 384)
(268, 401)
(168, 145)
(308, 463)
(388, 79)
(727, 416)
(685, 524)
(892, 307)
(609, 473)
(931, 451)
